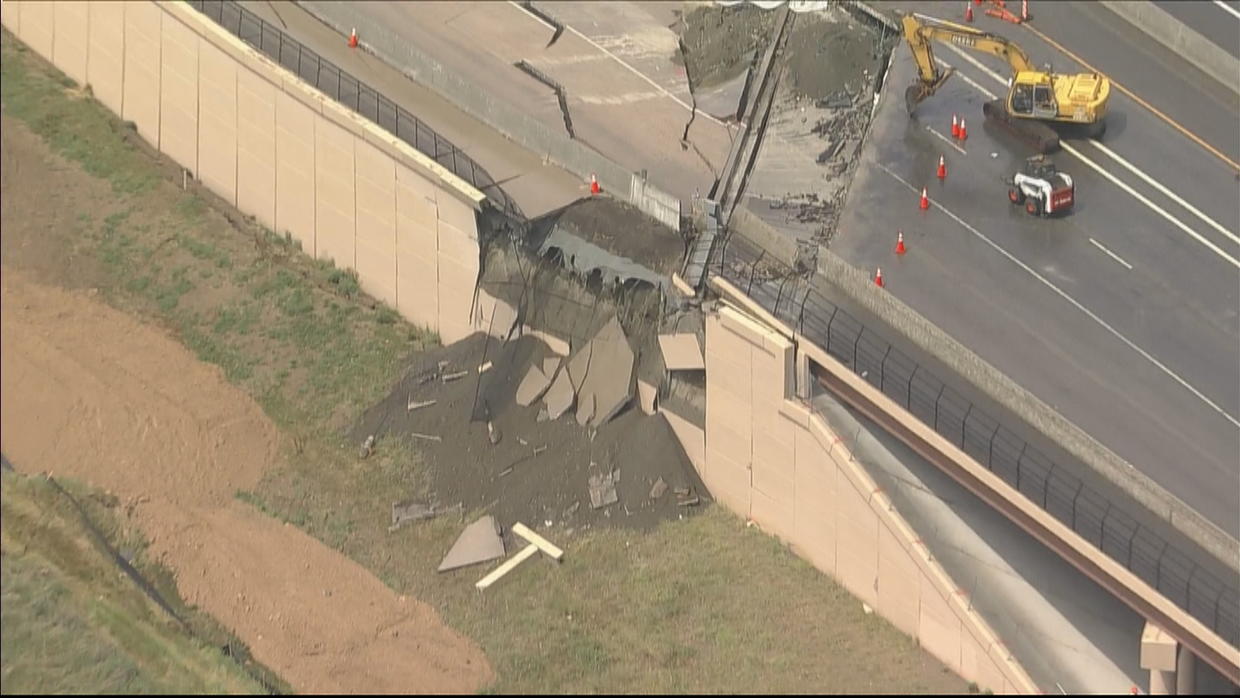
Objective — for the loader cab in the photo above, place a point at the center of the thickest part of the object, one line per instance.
(1040, 167)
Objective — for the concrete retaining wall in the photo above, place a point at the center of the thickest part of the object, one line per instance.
(530, 133)
(1180, 38)
(770, 459)
(275, 148)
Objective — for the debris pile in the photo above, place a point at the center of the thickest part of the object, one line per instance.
(536, 436)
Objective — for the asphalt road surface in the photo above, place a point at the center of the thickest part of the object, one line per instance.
(1122, 315)
(626, 97)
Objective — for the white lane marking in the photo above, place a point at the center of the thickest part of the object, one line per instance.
(1110, 254)
(1229, 8)
(1152, 206)
(635, 71)
(1135, 194)
(1169, 194)
(1076, 304)
(947, 140)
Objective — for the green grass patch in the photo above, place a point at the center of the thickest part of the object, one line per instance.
(74, 623)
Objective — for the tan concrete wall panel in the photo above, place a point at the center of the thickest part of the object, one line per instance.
(456, 298)
(105, 65)
(459, 246)
(773, 516)
(38, 20)
(143, 44)
(11, 16)
(217, 128)
(295, 172)
(72, 38)
(728, 480)
(815, 505)
(257, 162)
(494, 316)
(856, 525)
(939, 628)
(334, 195)
(899, 583)
(178, 106)
(417, 249)
(376, 221)
(457, 214)
(691, 437)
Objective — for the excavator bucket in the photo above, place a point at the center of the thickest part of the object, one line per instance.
(917, 92)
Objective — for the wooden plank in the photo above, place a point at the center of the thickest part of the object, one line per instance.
(526, 553)
(543, 544)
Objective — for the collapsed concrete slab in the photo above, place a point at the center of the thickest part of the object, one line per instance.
(532, 387)
(682, 352)
(609, 380)
(559, 397)
(479, 542)
(648, 396)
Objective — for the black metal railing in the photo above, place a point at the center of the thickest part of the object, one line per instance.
(354, 94)
(794, 299)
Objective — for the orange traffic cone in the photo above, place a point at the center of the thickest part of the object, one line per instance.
(942, 173)
(968, 12)
(955, 127)
(964, 133)
(900, 242)
(353, 39)
(878, 278)
(925, 200)
(594, 187)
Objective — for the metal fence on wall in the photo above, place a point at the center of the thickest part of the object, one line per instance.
(794, 300)
(354, 94)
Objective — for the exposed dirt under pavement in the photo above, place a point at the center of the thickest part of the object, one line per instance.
(721, 41)
(465, 468)
(827, 55)
(92, 393)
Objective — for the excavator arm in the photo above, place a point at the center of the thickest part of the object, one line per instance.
(920, 31)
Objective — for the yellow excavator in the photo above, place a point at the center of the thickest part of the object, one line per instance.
(1036, 98)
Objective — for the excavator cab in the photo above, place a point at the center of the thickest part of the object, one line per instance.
(1033, 95)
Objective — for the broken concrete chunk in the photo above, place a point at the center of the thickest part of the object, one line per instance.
(585, 409)
(559, 397)
(532, 387)
(367, 446)
(682, 352)
(602, 491)
(403, 512)
(647, 396)
(493, 433)
(551, 364)
(610, 378)
(543, 415)
(660, 487)
(479, 542)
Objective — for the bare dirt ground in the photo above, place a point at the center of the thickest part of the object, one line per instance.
(92, 393)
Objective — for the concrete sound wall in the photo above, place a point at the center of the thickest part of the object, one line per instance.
(770, 459)
(277, 149)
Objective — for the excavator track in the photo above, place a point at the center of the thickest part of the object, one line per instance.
(1041, 137)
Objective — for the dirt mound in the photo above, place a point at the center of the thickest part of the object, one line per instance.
(465, 468)
(91, 393)
(721, 41)
(829, 54)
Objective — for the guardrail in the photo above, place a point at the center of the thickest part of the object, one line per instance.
(793, 299)
(328, 78)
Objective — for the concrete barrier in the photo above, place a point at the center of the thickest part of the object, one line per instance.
(771, 460)
(275, 148)
(1180, 38)
(530, 133)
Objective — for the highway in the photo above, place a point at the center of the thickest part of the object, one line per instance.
(1122, 315)
(625, 96)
